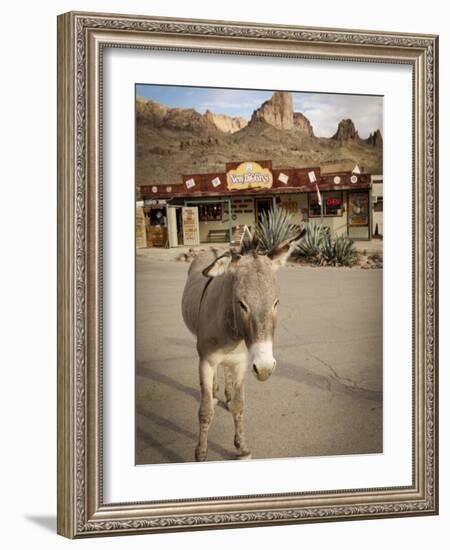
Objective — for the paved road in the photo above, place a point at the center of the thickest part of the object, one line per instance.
(324, 398)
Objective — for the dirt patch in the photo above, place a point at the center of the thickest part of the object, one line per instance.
(190, 254)
(371, 261)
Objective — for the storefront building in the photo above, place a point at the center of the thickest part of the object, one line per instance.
(208, 208)
(377, 205)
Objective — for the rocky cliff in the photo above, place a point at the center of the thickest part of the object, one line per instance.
(278, 111)
(345, 130)
(225, 123)
(375, 139)
(159, 116)
(148, 111)
(303, 124)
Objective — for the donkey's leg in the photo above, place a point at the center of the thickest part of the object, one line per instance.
(216, 387)
(237, 410)
(228, 374)
(206, 410)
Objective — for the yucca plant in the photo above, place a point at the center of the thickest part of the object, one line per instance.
(275, 226)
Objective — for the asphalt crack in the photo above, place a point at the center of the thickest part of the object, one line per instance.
(347, 383)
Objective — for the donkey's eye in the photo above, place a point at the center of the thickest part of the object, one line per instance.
(275, 305)
(243, 305)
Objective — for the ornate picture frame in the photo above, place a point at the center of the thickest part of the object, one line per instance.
(82, 38)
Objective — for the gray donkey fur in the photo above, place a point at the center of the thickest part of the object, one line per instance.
(230, 304)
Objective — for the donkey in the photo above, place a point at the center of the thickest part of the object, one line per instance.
(230, 304)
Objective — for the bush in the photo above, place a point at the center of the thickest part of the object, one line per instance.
(275, 227)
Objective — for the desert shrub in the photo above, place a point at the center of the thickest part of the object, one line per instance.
(275, 226)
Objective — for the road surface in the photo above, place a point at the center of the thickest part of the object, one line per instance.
(324, 398)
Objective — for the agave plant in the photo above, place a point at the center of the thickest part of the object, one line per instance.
(275, 226)
(311, 244)
(345, 252)
(319, 247)
(327, 253)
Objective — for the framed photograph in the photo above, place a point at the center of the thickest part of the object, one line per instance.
(247, 276)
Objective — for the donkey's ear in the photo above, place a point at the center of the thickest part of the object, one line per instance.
(221, 264)
(280, 253)
(248, 242)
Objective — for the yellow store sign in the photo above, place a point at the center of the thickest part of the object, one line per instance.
(249, 175)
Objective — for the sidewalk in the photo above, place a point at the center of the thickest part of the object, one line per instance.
(371, 247)
(374, 246)
(174, 253)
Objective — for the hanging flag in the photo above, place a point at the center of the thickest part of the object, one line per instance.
(313, 179)
(319, 196)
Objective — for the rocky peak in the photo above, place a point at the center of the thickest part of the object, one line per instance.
(303, 124)
(345, 130)
(151, 112)
(277, 111)
(226, 123)
(189, 120)
(375, 139)
(157, 115)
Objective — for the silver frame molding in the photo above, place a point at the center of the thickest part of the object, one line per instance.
(81, 39)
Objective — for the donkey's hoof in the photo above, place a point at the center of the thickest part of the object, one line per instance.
(228, 404)
(244, 456)
(200, 454)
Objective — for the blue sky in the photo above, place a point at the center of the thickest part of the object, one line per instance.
(323, 110)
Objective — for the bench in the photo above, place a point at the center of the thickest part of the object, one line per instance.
(218, 236)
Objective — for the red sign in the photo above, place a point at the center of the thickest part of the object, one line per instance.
(333, 202)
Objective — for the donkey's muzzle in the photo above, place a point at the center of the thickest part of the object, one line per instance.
(263, 372)
(262, 360)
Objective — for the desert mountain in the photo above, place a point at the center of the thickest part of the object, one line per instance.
(375, 139)
(154, 114)
(226, 123)
(303, 124)
(173, 141)
(346, 130)
(278, 111)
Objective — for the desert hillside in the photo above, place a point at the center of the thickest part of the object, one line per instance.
(172, 141)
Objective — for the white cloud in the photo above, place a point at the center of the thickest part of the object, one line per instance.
(325, 111)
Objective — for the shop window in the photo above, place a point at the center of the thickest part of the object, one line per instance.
(331, 201)
(157, 216)
(210, 212)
